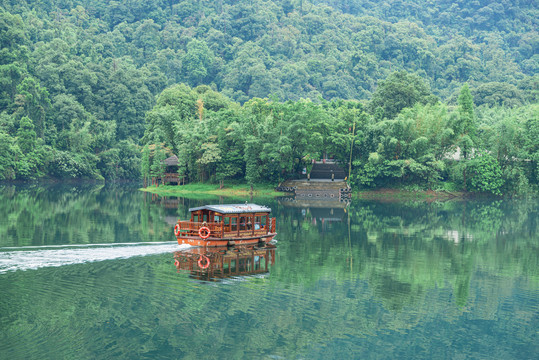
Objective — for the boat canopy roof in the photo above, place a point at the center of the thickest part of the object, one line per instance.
(234, 208)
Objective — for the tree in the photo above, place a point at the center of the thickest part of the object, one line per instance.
(33, 101)
(147, 37)
(145, 164)
(13, 56)
(486, 174)
(26, 136)
(10, 77)
(158, 166)
(175, 108)
(197, 62)
(7, 156)
(497, 94)
(465, 128)
(211, 155)
(67, 111)
(531, 142)
(400, 90)
(253, 167)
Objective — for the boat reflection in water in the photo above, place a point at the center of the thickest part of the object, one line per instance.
(212, 264)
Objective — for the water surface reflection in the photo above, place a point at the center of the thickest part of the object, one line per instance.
(215, 263)
(368, 280)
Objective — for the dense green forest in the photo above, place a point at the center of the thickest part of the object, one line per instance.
(255, 90)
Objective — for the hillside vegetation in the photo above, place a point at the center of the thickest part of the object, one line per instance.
(82, 82)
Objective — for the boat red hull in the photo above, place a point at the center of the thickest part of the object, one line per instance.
(197, 241)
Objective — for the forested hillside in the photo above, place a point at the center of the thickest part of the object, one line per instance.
(79, 79)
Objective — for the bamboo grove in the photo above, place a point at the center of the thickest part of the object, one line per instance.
(429, 145)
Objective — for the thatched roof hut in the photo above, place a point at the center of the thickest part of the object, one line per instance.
(171, 161)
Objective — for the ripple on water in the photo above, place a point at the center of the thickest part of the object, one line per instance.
(75, 286)
(32, 258)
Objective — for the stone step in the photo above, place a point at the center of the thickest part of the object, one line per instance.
(315, 185)
(327, 171)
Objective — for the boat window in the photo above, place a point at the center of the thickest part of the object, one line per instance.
(233, 224)
(227, 220)
(257, 222)
(263, 222)
(195, 218)
(217, 218)
(243, 223)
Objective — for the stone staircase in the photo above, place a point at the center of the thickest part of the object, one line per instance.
(326, 170)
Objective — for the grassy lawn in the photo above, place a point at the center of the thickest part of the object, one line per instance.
(232, 190)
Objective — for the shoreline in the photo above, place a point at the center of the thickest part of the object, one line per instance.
(242, 190)
(388, 194)
(268, 191)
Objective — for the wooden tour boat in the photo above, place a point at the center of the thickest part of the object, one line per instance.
(222, 225)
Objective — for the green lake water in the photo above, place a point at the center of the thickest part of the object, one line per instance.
(88, 272)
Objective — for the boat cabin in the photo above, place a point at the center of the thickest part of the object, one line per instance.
(236, 219)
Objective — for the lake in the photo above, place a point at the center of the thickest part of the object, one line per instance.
(88, 272)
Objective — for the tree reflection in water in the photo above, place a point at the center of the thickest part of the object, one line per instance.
(369, 280)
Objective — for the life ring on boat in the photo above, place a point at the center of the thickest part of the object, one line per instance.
(202, 265)
(177, 229)
(176, 263)
(204, 232)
